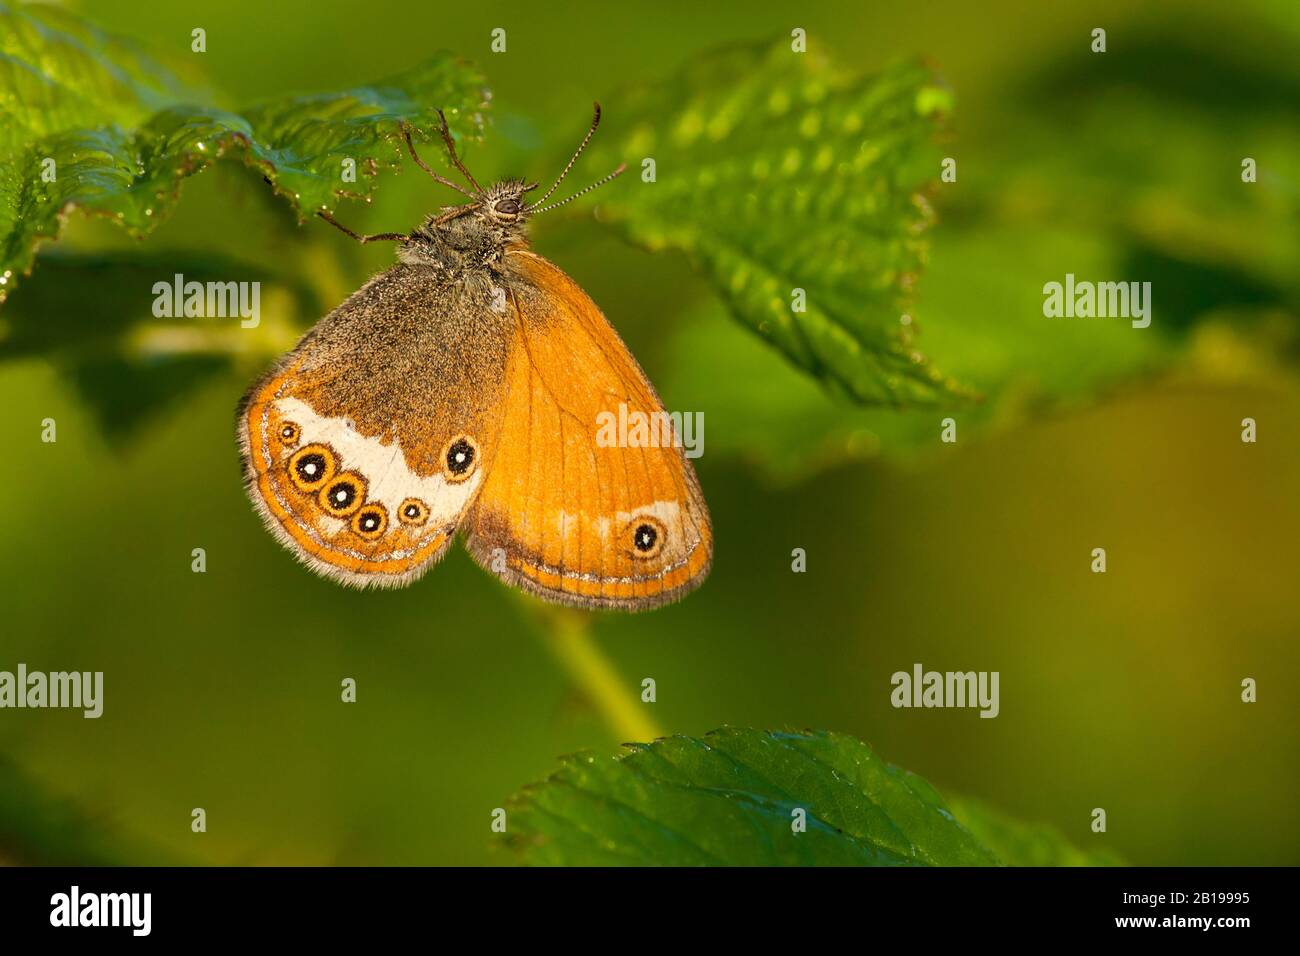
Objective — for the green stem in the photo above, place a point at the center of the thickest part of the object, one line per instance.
(567, 635)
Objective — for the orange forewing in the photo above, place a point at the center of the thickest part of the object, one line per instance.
(558, 511)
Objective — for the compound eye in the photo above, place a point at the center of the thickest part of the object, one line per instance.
(343, 495)
(508, 207)
(458, 462)
(311, 466)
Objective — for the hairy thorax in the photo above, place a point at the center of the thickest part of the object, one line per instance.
(465, 247)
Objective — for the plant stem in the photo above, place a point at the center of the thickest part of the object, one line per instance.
(567, 635)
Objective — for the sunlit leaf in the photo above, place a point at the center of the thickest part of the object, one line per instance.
(731, 798)
(775, 172)
(1148, 191)
(987, 289)
(90, 125)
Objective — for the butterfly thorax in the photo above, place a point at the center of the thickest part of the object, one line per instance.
(462, 241)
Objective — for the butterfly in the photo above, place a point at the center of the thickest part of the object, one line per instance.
(460, 392)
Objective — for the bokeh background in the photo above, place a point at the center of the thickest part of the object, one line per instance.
(1119, 691)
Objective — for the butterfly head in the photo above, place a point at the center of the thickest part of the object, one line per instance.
(502, 208)
(503, 203)
(477, 230)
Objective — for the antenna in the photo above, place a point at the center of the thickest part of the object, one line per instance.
(595, 121)
(532, 211)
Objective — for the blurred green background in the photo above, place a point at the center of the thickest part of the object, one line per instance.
(1118, 691)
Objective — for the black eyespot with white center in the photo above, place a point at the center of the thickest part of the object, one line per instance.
(460, 458)
(344, 495)
(646, 536)
(370, 522)
(413, 511)
(289, 433)
(311, 466)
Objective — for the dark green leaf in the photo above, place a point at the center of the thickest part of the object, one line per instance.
(1150, 190)
(729, 799)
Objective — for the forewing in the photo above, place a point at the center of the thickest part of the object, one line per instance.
(564, 511)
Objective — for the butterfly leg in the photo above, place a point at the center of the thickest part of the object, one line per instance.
(377, 237)
(455, 212)
(451, 151)
(406, 134)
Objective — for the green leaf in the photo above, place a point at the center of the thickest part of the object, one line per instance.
(1114, 206)
(729, 798)
(123, 133)
(986, 285)
(1022, 844)
(775, 172)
